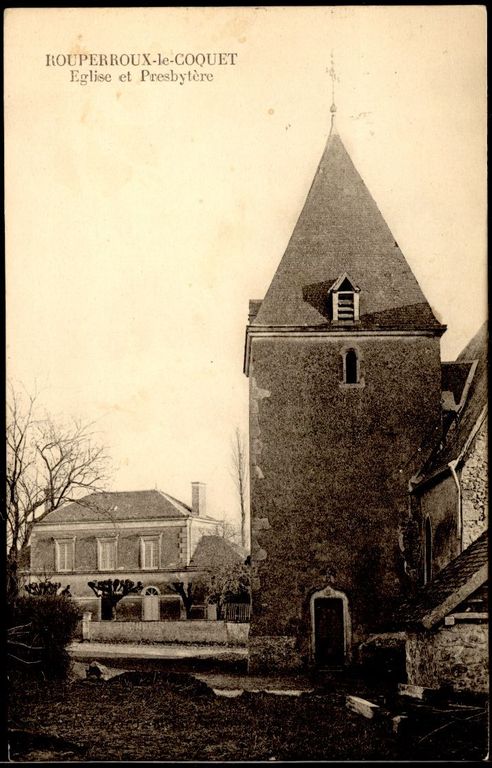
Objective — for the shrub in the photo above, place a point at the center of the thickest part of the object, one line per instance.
(40, 629)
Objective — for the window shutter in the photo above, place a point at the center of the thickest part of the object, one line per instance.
(150, 553)
(64, 555)
(107, 555)
(346, 306)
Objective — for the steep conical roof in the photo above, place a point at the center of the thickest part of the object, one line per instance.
(341, 230)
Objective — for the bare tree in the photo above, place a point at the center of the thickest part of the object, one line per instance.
(228, 531)
(239, 472)
(48, 464)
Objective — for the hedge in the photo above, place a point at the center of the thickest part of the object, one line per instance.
(40, 628)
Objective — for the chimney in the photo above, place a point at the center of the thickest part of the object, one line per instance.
(198, 499)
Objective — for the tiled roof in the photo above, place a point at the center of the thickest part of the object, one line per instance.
(451, 586)
(117, 506)
(476, 401)
(341, 229)
(215, 551)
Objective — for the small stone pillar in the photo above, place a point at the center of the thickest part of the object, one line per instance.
(86, 626)
(211, 612)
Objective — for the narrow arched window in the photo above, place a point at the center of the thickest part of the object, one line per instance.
(428, 551)
(351, 367)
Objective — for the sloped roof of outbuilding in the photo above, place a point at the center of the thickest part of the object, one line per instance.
(214, 551)
(451, 586)
(340, 229)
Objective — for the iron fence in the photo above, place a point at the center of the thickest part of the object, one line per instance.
(238, 612)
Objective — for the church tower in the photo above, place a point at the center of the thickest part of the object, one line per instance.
(343, 360)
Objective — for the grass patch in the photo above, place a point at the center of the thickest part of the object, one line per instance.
(155, 715)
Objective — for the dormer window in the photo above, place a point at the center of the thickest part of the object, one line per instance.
(345, 300)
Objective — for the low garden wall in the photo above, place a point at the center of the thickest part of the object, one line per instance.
(196, 631)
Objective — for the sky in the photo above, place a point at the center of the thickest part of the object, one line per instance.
(142, 216)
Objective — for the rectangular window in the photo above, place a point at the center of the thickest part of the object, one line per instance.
(150, 553)
(106, 554)
(64, 554)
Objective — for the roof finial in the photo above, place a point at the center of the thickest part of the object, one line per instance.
(333, 76)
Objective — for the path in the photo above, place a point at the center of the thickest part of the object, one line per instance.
(92, 650)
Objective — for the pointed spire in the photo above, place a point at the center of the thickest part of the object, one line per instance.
(333, 76)
(341, 230)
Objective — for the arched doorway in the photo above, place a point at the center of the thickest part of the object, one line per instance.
(151, 604)
(330, 628)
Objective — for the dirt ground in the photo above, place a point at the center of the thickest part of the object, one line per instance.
(157, 715)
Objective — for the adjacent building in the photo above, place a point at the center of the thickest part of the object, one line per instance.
(447, 625)
(146, 536)
(449, 494)
(446, 619)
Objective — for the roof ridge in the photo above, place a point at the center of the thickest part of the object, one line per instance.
(107, 493)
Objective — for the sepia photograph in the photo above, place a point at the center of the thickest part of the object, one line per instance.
(246, 512)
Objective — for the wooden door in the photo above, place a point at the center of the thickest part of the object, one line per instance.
(329, 632)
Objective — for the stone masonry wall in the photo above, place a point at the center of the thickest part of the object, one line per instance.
(456, 655)
(330, 466)
(474, 488)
